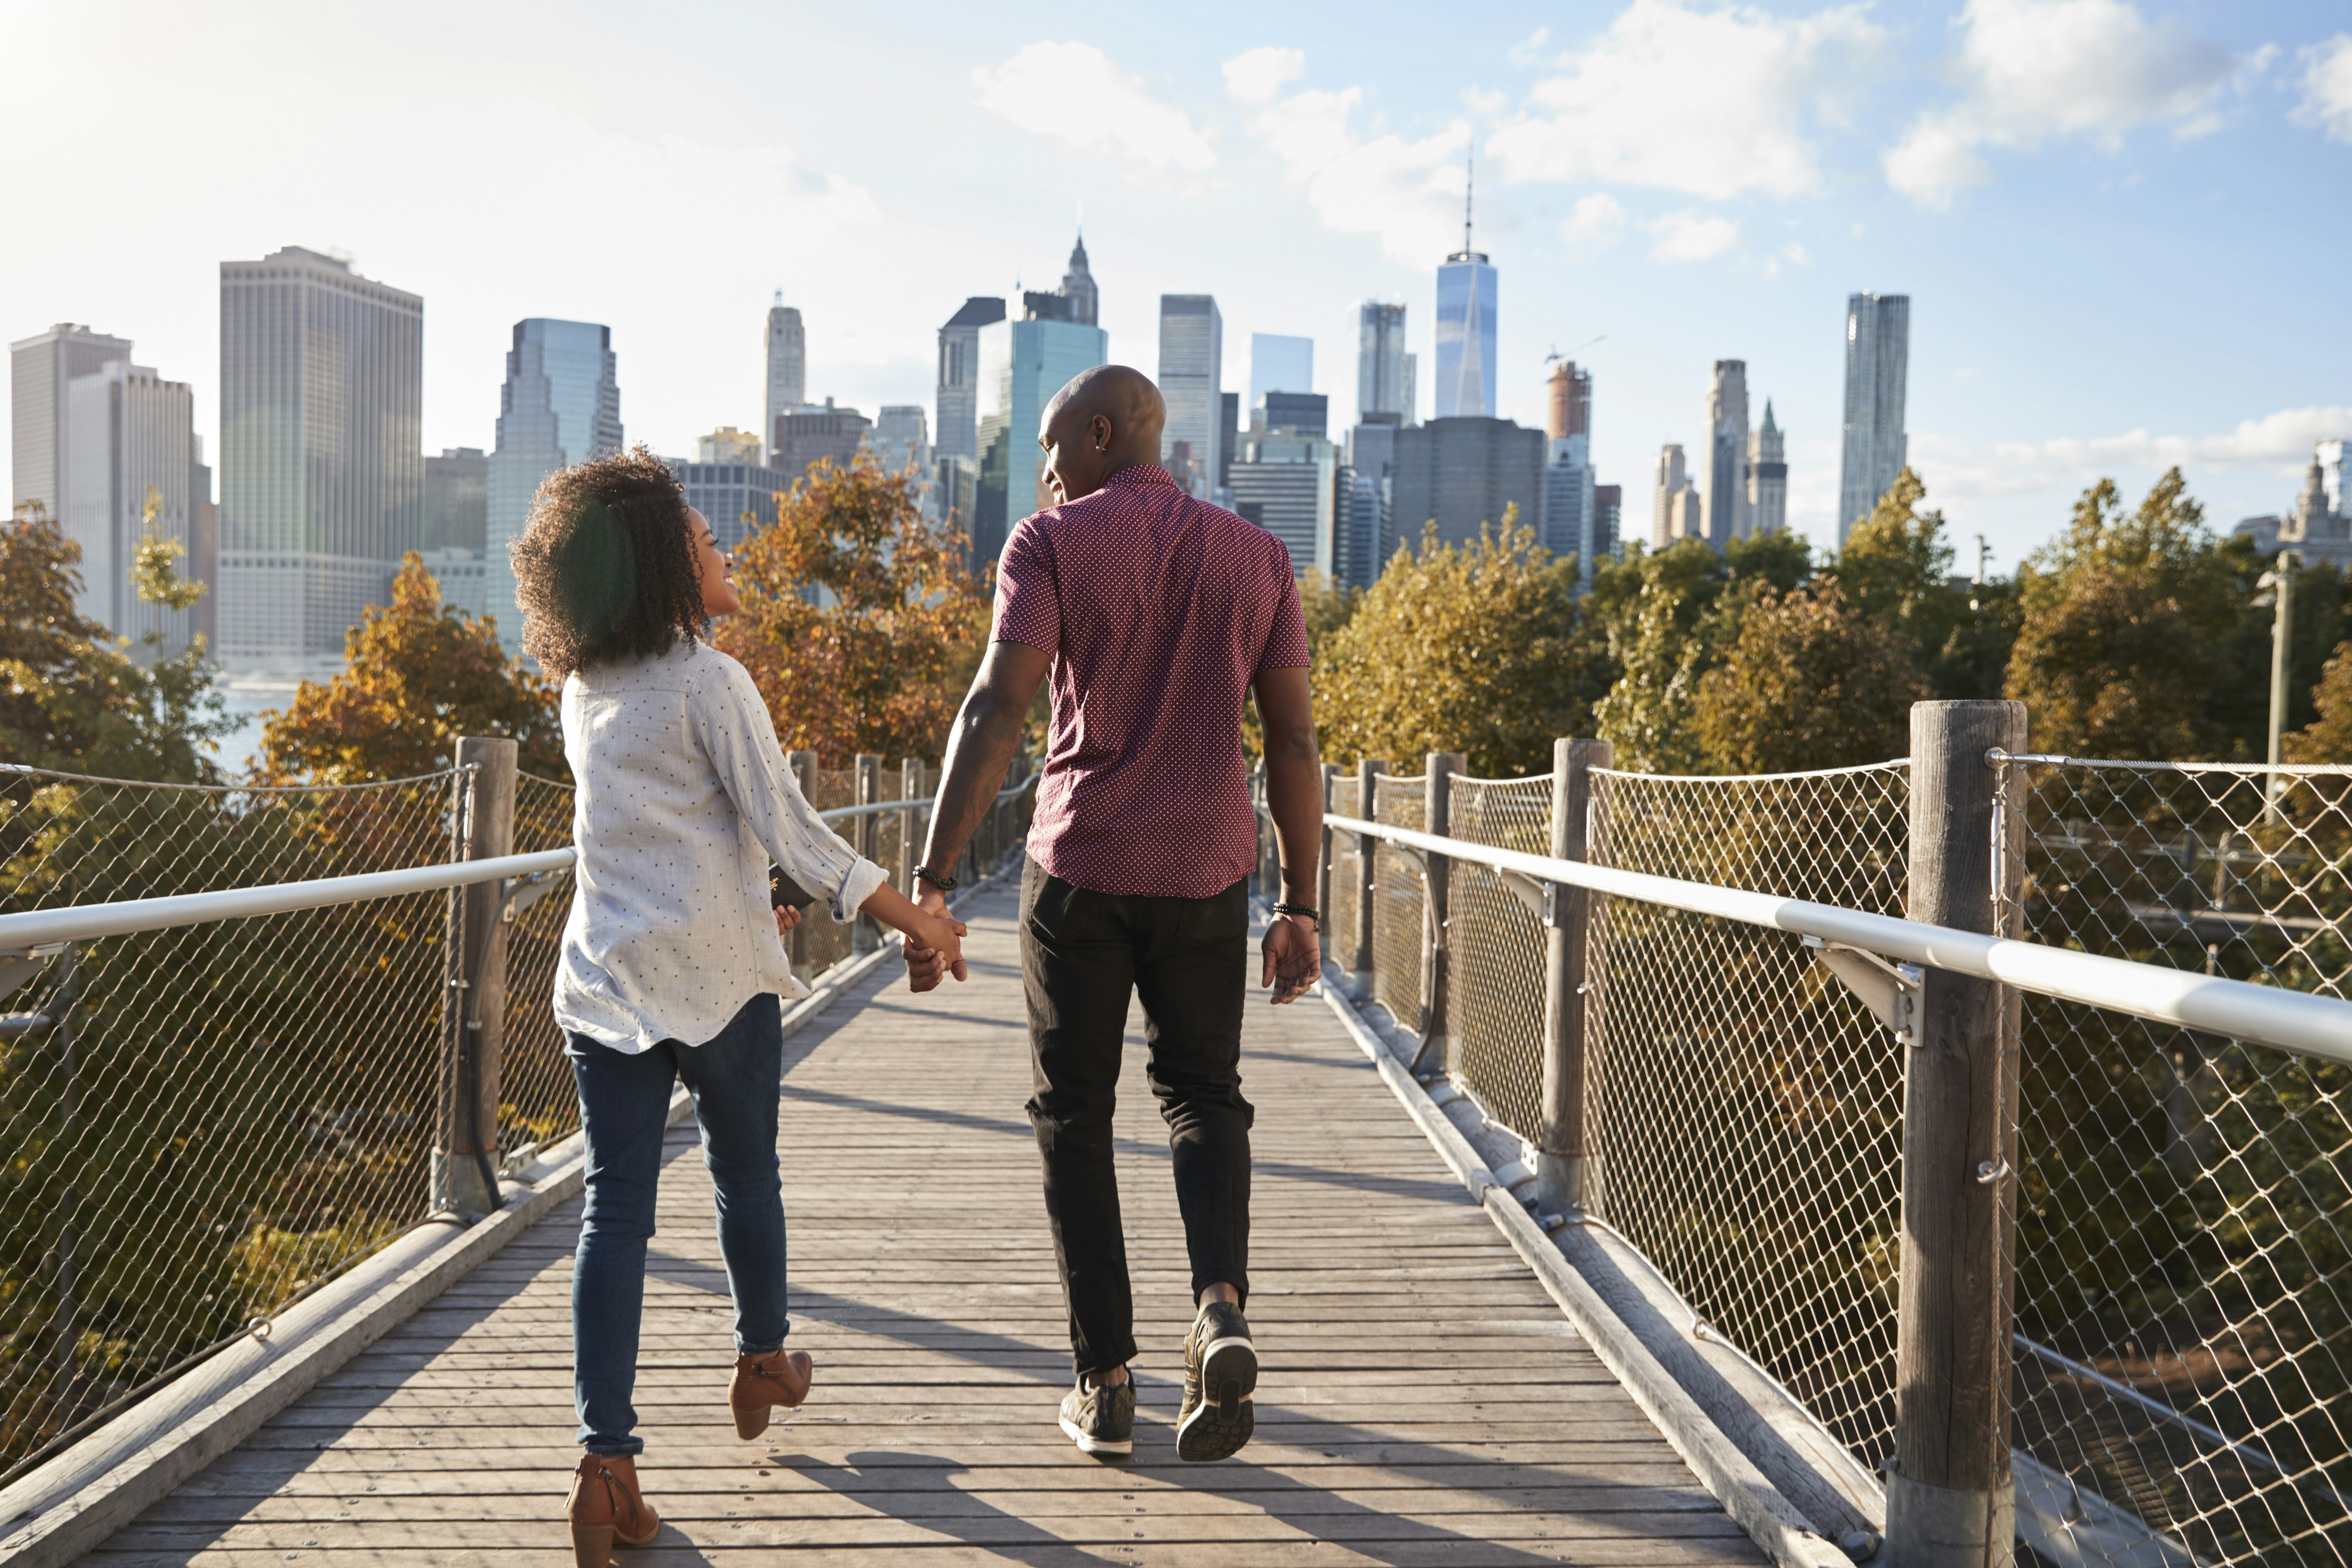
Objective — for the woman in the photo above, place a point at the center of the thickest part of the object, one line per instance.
(671, 965)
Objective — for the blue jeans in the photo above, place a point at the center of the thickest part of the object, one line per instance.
(624, 1109)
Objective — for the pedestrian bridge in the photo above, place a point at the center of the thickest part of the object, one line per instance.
(1625, 1196)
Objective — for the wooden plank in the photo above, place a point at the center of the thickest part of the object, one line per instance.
(1423, 1399)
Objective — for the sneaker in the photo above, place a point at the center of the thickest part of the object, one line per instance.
(1220, 1378)
(1100, 1420)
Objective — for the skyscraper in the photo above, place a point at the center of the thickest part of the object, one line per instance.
(130, 439)
(1725, 487)
(560, 405)
(901, 438)
(957, 409)
(1021, 364)
(1301, 413)
(1366, 534)
(812, 435)
(1608, 519)
(1463, 474)
(1191, 373)
(1767, 476)
(1279, 364)
(41, 369)
(1465, 330)
(1078, 287)
(1287, 484)
(457, 500)
(787, 366)
(1567, 401)
(1382, 385)
(1877, 366)
(321, 459)
(1671, 480)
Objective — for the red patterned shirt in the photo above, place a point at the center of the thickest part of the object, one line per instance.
(1159, 610)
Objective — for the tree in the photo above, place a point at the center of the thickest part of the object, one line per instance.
(1896, 569)
(2121, 617)
(1810, 681)
(417, 674)
(2329, 737)
(72, 697)
(1667, 617)
(1467, 648)
(862, 623)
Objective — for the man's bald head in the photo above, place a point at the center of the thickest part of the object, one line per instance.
(1105, 419)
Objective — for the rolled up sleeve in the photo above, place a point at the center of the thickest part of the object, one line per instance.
(740, 740)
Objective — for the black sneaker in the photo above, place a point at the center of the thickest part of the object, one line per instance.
(1219, 1377)
(1100, 1420)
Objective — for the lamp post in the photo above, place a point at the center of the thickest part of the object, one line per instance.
(2278, 586)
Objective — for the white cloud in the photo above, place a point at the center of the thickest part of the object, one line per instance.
(1797, 253)
(1408, 192)
(1255, 76)
(1708, 103)
(1528, 51)
(1597, 220)
(2328, 87)
(1692, 236)
(2040, 70)
(2279, 442)
(1074, 92)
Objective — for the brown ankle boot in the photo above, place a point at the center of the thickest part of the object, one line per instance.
(607, 1509)
(763, 1381)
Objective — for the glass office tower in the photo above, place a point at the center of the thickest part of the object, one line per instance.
(560, 405)
(1465, 336)
(1021, 366)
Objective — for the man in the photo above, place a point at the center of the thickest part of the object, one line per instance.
(1157, 617)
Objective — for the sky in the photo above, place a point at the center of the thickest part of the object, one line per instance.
(2123, 223)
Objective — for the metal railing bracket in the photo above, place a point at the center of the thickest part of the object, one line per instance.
(1891, 991)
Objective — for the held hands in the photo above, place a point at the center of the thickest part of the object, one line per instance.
(1294, 958)
(787, 918)
(937, 954)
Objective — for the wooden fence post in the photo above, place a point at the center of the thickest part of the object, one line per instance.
(464, 1171)
(1950, 1498)
(803, 767)
(1437, 818)
(1563, 1165)
(866, 934)
(910, 840)
(1361, 974)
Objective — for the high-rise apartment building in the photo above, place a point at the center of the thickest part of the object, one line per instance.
(1465, 474)
(1021, 364)
(457, 500)
(1567, 401)
(1607, 521)
(1767, 475)
(1466, 298)
(1191, 373)
(1877, 367)
(1288, 485)
(815, 434)
(1279, 362)
(321, 455)
(560, 405)
(1673, 478)
(1725, 488)
(1365, 535)
(787, 384)
(1383, 380)
(1229, 436)
(130, 440)
(41, 369)
(957, 406)
(1571, 523)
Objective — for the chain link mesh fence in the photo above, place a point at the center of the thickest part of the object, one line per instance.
(537, 1103)
(2184, 1249)
(1398, 902)
(1495, 952)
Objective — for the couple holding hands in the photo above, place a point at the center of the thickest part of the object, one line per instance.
(1153, 617)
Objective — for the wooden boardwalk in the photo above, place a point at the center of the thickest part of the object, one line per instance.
(1423, 1401)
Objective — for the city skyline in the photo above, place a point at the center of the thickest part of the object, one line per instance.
(913, 176)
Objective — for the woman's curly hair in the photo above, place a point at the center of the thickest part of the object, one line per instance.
(605, 570)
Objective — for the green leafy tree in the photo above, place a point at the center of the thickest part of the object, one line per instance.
(1810, 681)
(1896, 569)
(417, 674)
(1467, 648)
(1667, 618)
(2121, 618)
(71, 695)
(2329, 737)
(880, 660)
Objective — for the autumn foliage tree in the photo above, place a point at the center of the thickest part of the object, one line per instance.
(1467, 648)
(417, 675)
(862, 623)
(1809, 682)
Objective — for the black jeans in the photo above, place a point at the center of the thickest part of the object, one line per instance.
(1083, 955)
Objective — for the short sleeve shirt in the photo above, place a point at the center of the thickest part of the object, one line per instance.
(1160, 610)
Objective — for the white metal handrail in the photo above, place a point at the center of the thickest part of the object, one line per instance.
(2264, 1014)
(35, 929)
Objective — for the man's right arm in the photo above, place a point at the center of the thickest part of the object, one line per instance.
(987, 732)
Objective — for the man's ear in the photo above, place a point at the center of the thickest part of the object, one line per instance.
(1099, 429)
